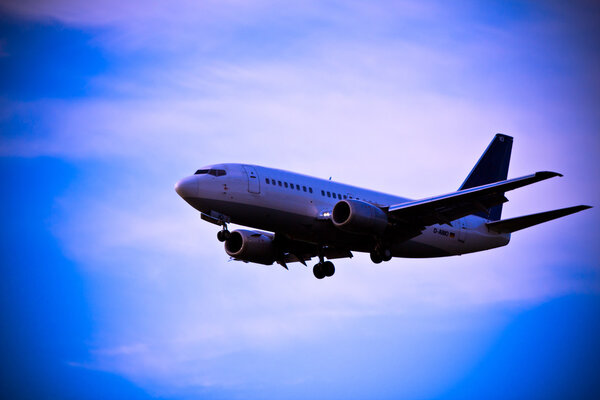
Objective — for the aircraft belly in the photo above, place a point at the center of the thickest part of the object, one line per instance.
(441, 240)
(434, 241)
(417, 249)
(294, 224)
(259, 217)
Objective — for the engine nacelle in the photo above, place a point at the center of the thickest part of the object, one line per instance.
(250, 246)
(359, 217)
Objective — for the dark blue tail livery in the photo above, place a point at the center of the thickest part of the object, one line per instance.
(491, 167)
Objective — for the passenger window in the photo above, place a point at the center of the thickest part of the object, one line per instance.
(304, 188)
(267, 180)
(310, 189)
(328, 194)
(285, 184)
(339, 196)
(291, 186)
(273, 182)
(345, 197)
(322, 193)
(279, 182)
(297, 187)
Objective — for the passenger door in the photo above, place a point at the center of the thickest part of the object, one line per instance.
(253, 181)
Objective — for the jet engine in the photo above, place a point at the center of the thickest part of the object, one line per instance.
(250, 246)
(359, 217)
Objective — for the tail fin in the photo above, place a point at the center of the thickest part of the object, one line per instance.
(491, 167)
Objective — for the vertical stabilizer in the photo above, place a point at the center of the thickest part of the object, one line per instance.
(491, 167)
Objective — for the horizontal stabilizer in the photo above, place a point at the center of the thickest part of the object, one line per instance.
(516, 224)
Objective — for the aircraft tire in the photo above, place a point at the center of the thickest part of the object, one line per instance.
(376, 257)
(386, 255)
(223, 236)
(318, 271)
(328, 268)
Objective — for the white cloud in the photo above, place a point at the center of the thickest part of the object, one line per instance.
(183, 25)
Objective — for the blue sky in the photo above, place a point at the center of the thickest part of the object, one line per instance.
(114, 288)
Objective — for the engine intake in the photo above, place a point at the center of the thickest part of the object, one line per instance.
(359, 217)
(250, 246)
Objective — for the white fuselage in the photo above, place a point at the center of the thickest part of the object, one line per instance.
(300, 206)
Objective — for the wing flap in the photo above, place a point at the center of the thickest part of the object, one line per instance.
(292, 250)
(516, 224)
(448, 207)
(330, 253)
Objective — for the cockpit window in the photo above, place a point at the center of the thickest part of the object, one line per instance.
(213, 172)
(217, 172)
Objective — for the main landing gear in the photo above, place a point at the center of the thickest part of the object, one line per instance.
(323, 269)
(380, 254)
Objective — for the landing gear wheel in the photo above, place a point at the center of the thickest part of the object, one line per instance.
(386, 255)
(328, 268)
(376, 257)
(223, 235)
(318, 271)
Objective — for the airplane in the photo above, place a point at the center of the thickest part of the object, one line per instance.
(297, 217)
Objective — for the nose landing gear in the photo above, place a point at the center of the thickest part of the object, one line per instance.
(224, 234)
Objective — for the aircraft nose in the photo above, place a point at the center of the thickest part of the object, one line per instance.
(187, 187)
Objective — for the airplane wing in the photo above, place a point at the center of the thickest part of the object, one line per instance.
(329, 252)
(291, 250)
(449, 207)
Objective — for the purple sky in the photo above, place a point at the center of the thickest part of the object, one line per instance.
(400, 97)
